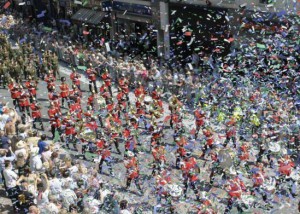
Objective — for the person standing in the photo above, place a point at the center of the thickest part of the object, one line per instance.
(131, 164)
(91, 74)
(189, 170)
(64, 93)
(36, 114)
(11, 178)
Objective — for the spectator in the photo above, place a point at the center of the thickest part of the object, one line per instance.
(42, 144)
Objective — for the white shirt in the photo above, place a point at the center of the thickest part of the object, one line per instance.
(44, 199)
(3, 159)
(46, 156)
(10, 178)
(55, 186)
(36, 164)
(68, 197)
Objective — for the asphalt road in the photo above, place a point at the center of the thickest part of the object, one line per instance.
(148, 200)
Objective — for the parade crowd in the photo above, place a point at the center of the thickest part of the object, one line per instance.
(244, 128)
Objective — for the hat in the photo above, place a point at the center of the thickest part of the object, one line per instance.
(21, 144)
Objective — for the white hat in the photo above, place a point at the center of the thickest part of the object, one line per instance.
(21, 144)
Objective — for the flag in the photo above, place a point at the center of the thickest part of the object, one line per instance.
(86, 32)
(262, 46)
(7, 4)
(188, 33)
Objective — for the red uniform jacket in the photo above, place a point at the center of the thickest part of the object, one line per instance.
(70, 129)
(75, 78)
(132, 168)
(91, 99)
(199, 118)
(52, 112)
(32, 90)
(24, 100)
(139, 92)
(188, 169)
(91, 74)
(35, 111)
(209, 137)
(106, 78)
(64, 90)
(15, 93)
(158, 153)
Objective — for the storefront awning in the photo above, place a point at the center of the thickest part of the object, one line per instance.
(89, 16)
(96, 18)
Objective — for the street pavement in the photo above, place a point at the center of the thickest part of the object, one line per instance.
(148, 200)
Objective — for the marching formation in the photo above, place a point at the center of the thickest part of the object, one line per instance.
(233, 126)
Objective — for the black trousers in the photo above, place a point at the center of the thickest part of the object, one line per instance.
(93, 84)
(107, 164)
(193, 186)
(136, 181)
(233, 138)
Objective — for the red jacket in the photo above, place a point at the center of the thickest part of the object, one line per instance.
(75, 78)
(64, 90)
(35, 111)
(15, 93)
(24, 100)
(132, 168)
(52, 112)
(199, 118)
(91, 74)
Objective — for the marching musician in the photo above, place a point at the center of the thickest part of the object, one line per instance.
(190, 169)
(199, 116)
(64, 91)
(104, 153)
(36, 113)
(133, 172)
(75, 77)
(91, 74)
